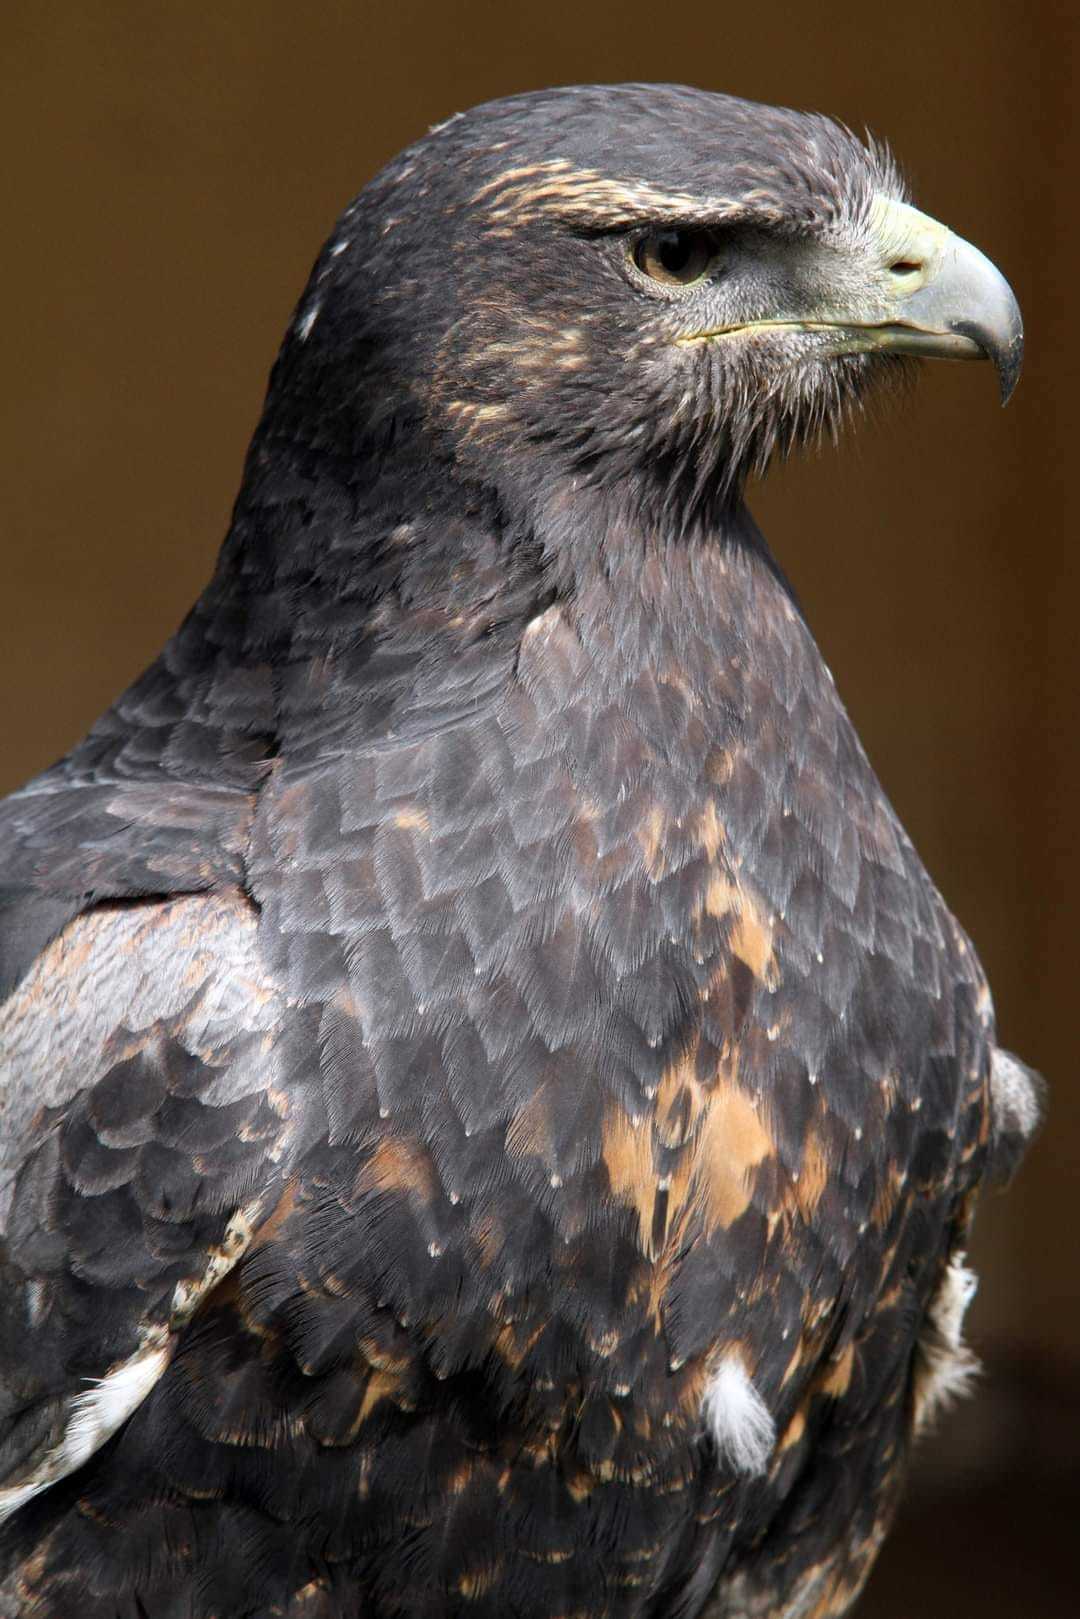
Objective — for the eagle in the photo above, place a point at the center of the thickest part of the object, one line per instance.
(492, 1103)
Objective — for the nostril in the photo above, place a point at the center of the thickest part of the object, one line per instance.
(905, 267)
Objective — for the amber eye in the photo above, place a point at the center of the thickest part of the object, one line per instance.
(675, 256)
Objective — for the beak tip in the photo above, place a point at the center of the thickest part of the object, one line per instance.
(1004, 349)
(1008, 364)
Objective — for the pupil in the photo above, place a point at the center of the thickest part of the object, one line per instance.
(674, 251)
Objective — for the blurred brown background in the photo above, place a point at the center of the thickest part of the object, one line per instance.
(169, 173)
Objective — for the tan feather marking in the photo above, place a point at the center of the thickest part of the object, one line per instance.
(813, 1177)
(833, 1599)
(398, 1165)
(679, 1103)
(514, 1341)
(751, 940)
(220, 1261)
(311, 1593)
(793, 1433)
(726, 1139)
(721, 896)
(710, 830)
(627, 1152)
(732, 1142)
(797, 1357)
(380, 1386)
(505, 1345)
(751, 935)
(525, 171)
(846, 1578)
(381, 1359)
(411, 819)
(887, 1197)
(283, 1208)
(474, 417)
(479, 1582)
(752, 930)
(460, 1479)
(651, 834)
(489, 1235)
(834, 1379)
(526, 193)
(674, 676)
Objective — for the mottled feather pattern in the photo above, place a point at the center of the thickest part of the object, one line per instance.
(475, 1018)
(467, 927)
(136, 1122)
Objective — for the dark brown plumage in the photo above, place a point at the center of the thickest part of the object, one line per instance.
(494, 1103)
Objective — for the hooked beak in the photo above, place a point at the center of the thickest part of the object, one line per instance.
(943, 297)
(929, 293)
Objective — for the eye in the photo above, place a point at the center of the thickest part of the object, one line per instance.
(676, 256)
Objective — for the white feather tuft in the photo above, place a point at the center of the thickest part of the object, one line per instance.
(1015, 1098)
(93, 1417)
(738, 1418)
(945, 1368)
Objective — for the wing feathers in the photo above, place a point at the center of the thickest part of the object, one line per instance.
(140, 1150)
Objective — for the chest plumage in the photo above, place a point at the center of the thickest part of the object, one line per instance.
(492, 1101)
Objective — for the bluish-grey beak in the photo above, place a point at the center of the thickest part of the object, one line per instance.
(943, 297)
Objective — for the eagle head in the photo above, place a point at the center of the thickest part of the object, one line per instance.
(644, 289)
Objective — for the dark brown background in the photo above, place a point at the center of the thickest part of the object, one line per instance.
(170, 171)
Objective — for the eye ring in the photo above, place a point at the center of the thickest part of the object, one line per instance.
(675, 255)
